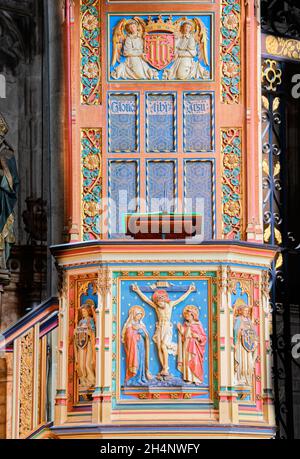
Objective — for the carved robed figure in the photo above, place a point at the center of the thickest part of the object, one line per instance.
(191, 346)
(84, 340)
(164, 328)
(135, 339)
(245, 344)
(9, 181)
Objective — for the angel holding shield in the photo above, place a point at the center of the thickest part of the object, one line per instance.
(191, 37)
(131, 46)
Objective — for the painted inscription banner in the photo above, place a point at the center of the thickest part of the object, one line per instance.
(160, 47)
(198, 110)
(161, 122)
(123, 122)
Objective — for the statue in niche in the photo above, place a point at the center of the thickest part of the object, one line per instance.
(245, 344)
(164, 328)
(137, 348)
(191, 40)
(191, 346)
(84, 339)
(9, 182)
(128, 40)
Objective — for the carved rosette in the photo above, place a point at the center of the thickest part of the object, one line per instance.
(232, 183)
(26, 384)
(90, 52)
(91, 183)
(230, 51)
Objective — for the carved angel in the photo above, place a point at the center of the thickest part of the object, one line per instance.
(128, 40)
(191, 40)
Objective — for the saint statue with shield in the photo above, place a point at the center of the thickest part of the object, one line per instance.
(245, 344)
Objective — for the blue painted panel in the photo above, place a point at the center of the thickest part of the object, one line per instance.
(198, 122)
(161, 181)
(198, 181)
(161, 122)
(123, 193)
(123, 122)
(199, 298)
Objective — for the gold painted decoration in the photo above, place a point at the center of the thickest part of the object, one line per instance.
(91, 183)
(271, 75)
(90, 52)
(230, 51)
(279, 261)
(283, 47)
(26, 384)
(232, 183)
(265, 102)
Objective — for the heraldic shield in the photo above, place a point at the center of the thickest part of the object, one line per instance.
(81, 337)
(159, 49)
(249, 339)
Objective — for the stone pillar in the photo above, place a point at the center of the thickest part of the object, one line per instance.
(4, 280)
(252, 147)
(266, 320)
(228, 408)
(3, 373)
(60, 412)
(102, 394)
(6, 381)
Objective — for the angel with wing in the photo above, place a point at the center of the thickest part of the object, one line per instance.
(191, 40)
(128, 40)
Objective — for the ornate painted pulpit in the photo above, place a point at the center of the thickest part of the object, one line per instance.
(172, 337)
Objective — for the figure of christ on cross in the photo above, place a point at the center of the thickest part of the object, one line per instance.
(164, 329)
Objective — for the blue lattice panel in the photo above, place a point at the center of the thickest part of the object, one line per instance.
(198, 135)
(123, 122)
(123, 193)
(161, 122)
(161, 185)
(199, 192)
